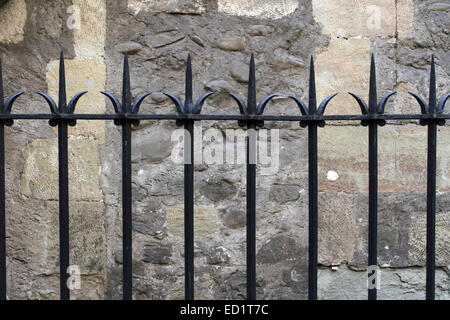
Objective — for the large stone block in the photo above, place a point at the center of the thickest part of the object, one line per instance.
(168, 6)
(337, 228)
(342, 67)
(264, 9)
(90, 34)
(84, 74)
(396, 284)
(417, 239)
(36, 237)
(401, 159)
(39, 178)
(13, 16)
(363, 17)
(205, 220)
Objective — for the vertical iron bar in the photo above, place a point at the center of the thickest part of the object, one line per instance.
(251, 211)
(313, 212)
(313, 189)
(373, 206)
(64, 251)
(189, 209)
(2, 214)
(126, 212)
(431, 211)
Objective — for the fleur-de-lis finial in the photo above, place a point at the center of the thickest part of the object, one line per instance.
(312, 109)
(127, 106)
(6, 106)
(432, 107)
(62, 107)
(374, 107)
(189, 107)
(252, 107)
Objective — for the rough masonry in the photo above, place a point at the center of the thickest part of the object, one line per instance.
(220, 35)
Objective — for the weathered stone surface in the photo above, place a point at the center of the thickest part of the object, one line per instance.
(217, 190)
(220, 86)
(265, 9)
(168, 6)
(90, 34)
(337, 228)
(164, 39)
(239, 72)
(396, 284)
(282, 61)
(439, 6)
(129, 47)
(234, 218)
(402, 159)
(278, 249)
(231, 44)
(206, 219)
(157, 253)
(217, 255)
(356, 17)
(417, 239)
(84, 74)
(342, 67)
(14, 17)
(152, 144)
(39, 179)
(260, 30)
(284, 193)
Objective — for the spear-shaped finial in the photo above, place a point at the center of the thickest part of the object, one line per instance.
(312, 88)
(188, 107)
(432, 98)
(188, 81)
(373, 99)
(374, 106)
(251, 98)
(311, 109)
(62, 106)
(126, 85)
(433, 106)
(62, 95)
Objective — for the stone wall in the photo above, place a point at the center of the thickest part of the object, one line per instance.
(220, 35)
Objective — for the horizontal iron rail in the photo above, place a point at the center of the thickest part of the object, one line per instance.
(351, 117)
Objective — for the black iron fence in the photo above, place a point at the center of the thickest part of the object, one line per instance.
(251, 116)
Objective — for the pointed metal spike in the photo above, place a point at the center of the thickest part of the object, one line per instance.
(422, 103)
(442, 102)
(251, 98)
(199, 104)
(188, 81)
(373, 99)
(176, 102)
(126, 86)
(62, 95)
(362, 104)
(116, 104)
(263, 103)
(137, 103)
(10, 101)
(73, 102)
(239, 102)
(301, 105)
(324, 103)
(383, 101)
(312, 88)
(432, 98)
(50, 101)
